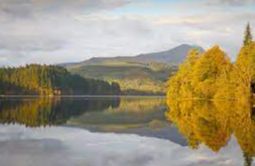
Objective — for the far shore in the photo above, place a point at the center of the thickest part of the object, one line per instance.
(78, 96)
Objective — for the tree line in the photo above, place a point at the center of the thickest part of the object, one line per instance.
(50, 80)
(212, 75)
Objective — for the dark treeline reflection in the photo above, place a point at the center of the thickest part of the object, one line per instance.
(214, 123)
(35, 112)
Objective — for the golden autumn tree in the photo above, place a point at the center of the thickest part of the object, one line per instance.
(245, 69)
(211, 75)
(208, 69)
(198, 76)
(180, 84)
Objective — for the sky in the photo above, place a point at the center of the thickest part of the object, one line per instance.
(59, 31)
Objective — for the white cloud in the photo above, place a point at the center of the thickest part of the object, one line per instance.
(232, 2)
(81, 147)
(29, 8)
(68, 33)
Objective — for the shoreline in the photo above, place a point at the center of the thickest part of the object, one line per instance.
(81, 96)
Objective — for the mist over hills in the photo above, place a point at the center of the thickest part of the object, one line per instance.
(141, 74)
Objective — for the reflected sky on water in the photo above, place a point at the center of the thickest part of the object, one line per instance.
(70, 146)
(136, 131)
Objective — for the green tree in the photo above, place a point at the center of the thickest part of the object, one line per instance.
(247, 35)
(50, 80)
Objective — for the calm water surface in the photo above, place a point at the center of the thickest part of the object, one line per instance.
(128, 131)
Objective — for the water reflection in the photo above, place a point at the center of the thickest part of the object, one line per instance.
(214, 123)
(35, 112)
(136, 115)
(226, 128)
(129, 112)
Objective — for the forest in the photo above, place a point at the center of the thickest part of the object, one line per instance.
(50, 80)
(212, 75)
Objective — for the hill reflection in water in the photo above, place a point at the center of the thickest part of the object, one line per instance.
(135, 115)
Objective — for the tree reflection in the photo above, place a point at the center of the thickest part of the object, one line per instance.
(49, 111)
(213, 124)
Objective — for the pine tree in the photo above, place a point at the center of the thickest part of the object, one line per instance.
(247, 35)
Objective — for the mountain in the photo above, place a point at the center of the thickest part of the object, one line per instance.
(141, 74)
(173, 56)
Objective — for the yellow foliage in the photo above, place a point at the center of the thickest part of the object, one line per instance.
(229, 88)
(245, 67)
(211, 75)
(180, 84)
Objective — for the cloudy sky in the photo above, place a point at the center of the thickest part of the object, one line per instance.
(57, 31)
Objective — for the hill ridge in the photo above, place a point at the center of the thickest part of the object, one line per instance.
(173, 56)
(141, 74)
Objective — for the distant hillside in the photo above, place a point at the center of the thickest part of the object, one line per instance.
(141, 74)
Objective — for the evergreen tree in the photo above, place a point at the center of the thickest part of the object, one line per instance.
(247, 35)
(50, 80)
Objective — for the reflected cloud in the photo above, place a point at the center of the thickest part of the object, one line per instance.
(80, 147)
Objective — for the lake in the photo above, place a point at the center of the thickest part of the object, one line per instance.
(128, 131)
